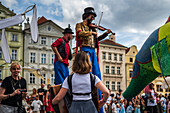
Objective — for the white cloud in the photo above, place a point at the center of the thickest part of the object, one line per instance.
(56, 12)
(9, 3)
(136, 40)
(73, 10)
(49, 2)
(130, 18)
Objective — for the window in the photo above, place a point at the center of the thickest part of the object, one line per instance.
(2, 18)
(115, 56)
(107, 84)
(32, 57)
(113, 86)
(118, 86)
(52, 58)
(120, 57)
(104, 56)
(43, 81)
(0, 36)
(43, 40)
(32, 78)
(0, 53)
(131, 59)
(159, 89)
(168, 90)
(118, 70)
(14, 37)
(0, 74)
(49, 28)
(107, 69)
(14, 54)
(53, 40)
(130, 73)
(109, 56)
(52, 79)
(113, 70)
(43, 58)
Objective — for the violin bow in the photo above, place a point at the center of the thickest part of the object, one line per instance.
(99, 21)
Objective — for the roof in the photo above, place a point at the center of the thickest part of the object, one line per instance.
(7, 9)
(127, 50)
(168, 20)
(109, 42)
(42, 20)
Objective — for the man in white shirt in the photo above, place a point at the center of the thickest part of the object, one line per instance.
(36, 105)
(163, 102)
(114, 108)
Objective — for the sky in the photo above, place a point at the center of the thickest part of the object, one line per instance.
(132, 20)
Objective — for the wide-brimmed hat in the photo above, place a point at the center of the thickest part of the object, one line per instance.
(89, 10)
(114, 99)
(67, 30)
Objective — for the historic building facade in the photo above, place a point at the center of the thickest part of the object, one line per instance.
(14, 37)
(112, 64)
(157, 86)
(130, 58)
(40, 55)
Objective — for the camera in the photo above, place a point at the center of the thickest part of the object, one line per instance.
(23, 90)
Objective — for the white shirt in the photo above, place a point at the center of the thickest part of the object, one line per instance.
(36, 104)
(109, 99)
(105, 107)
(163, 100)
(115, 108)
(81, 83)
(150, 101)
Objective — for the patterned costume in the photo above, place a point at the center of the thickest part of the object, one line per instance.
(87, 42)
(152, 60)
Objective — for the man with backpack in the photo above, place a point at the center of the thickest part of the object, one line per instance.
(62, 55)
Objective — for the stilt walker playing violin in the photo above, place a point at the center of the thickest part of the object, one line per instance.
(87, 40)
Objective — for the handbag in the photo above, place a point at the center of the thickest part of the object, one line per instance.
(21, 109)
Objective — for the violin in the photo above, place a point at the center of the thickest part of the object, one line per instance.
(94, 26)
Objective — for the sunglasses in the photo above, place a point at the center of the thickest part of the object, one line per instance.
(15, 68)
(92, 17)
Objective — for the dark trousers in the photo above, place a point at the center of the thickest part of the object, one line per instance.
(152, 109)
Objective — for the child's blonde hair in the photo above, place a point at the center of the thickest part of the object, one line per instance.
(81, 63)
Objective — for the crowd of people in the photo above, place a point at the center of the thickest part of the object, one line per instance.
(39, 100)
(143, 103)
(86, 75)
(15, 99)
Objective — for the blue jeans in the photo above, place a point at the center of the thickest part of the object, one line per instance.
(61, 72)
(95, 66)
(8, 109)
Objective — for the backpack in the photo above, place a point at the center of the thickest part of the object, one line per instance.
(94, 91)
(62, 50)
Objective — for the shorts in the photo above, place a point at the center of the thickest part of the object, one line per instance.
(42, 107)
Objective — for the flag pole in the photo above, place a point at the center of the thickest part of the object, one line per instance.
(166, 82)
